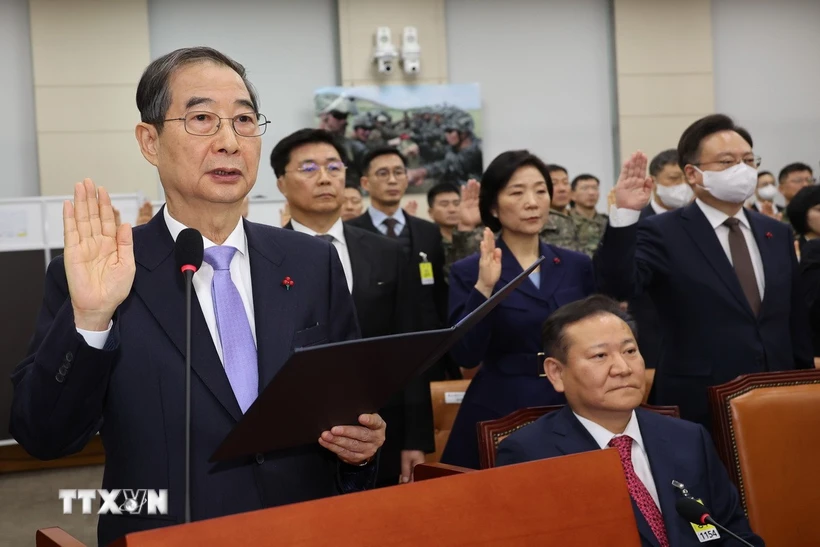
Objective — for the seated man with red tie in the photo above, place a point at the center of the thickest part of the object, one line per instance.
(594, 360)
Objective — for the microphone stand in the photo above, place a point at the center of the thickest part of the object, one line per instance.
(725, 530)
(189, 277)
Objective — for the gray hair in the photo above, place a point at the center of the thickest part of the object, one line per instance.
(154, 93)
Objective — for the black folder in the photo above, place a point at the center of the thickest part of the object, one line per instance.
(324, 386)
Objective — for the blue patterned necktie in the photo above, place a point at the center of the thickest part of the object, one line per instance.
(238, 347)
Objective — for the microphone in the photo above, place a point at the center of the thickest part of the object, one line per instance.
(188, 252)
(696, 513)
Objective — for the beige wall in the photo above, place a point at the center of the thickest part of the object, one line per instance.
(358, 20)
(664, 70)
(88, 56)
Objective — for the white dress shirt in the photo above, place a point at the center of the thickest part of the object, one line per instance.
(379, 217)
(640, 462)
(338, 233)
(619, 218)
(240, 275)
(657, 208)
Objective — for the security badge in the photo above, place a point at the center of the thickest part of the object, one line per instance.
(426, 270)
(705, 532)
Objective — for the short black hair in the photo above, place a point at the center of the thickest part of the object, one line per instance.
(583, 176)
(441, 188)
(798, 208)
(692, 138)
(371, 155)
(761, 173)
(280, 156)
(792, 168)
(555, 167)
(498, 174)
(355, 185)
(553, 331)
(154, 89)
(667, 157)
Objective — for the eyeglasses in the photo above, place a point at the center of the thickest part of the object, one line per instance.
(311, 170)
(803, 180)
(205, 124)
(383, 174)
(751, 161)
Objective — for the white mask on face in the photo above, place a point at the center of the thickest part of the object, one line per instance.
(767, 193)
(733, 185)
(676, 196)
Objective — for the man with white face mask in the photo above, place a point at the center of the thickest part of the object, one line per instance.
(723, 278)
(671, 190)
(763, 199)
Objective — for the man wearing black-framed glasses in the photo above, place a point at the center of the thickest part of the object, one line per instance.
(109, 350)
(722, 278)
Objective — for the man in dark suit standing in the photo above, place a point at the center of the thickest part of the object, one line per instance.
(595, 361)
(384, 176)
(108, 353)
(310, 173)
(723, 279)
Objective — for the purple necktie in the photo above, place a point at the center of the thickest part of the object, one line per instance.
(238, 348)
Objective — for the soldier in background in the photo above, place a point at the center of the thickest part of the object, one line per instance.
(590, 224)
(560, 189)
(358, 146)
(462, 162)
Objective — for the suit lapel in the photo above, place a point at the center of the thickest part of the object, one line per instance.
(359, 260)
(271, 304)
(702, 233)
(551, 272)
(764, 246)
(571, 437)
(161, 287)
(663, 464)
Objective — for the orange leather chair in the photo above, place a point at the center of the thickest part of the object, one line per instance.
(446, 398)
(767, 430)
(492, 432)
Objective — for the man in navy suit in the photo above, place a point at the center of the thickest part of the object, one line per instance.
(108, 353)
(594, 360)
(723, 278)
(310, 173)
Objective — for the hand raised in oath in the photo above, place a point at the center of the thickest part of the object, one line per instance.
(98, 257)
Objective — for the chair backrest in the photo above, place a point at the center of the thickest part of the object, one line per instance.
(492, 432)
(446, 397)
(766, 429)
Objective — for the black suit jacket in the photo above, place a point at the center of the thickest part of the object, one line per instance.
(430, 300)
(645, 315)
(676, 450)
(383, 307)
(810, 282)
(710, 335)
(132, 391)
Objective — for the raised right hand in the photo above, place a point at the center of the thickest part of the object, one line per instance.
(634, 188)
(469, 213)
(98, 257)
(489, 265)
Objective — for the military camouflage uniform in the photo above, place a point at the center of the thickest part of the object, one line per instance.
(559, 231)
(590, 230)
(458, 167)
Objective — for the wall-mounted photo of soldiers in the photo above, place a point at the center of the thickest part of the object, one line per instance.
(437, 128)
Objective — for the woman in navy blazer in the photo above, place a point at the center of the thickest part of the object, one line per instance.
(515, 199)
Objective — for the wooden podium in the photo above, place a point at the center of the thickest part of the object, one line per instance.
(572, 501)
